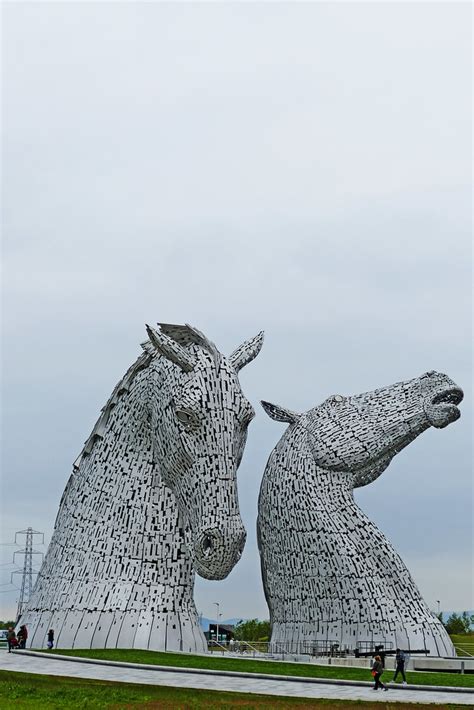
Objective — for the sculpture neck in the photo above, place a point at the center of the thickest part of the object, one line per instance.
(303, 470)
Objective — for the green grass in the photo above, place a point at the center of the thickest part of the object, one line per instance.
(26, 691)
(463, 643)
(184, 660)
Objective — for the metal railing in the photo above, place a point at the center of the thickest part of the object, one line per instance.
(237, 648)
(366, 646)
(279, 649)
(327, 648)
(309, 648)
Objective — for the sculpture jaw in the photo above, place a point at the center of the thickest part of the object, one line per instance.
(217, 549)
(441, 408)
(399, 436)
(370, 473)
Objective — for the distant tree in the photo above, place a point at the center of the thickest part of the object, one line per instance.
(467, 621)
(252, 630)
(459, 624)
(7, 624)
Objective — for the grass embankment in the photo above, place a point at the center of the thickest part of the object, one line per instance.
(26, 691)
(184, 660)
(463, 643)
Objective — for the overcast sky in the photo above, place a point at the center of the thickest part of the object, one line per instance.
(298, 168)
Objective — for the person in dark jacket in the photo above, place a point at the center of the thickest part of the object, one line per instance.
(377, 670)
(400, 666)
(22, 636)
(50, 643)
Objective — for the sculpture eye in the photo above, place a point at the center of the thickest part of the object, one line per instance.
(187, 419)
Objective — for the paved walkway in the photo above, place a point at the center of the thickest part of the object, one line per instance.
(268, 686)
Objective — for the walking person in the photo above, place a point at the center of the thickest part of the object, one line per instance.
(11, 639)
(400, 666)
(50, 643)
(377, 670)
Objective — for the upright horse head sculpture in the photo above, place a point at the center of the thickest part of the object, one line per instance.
(330, 575)
(152, 498)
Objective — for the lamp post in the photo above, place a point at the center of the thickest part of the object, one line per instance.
(438, 603)
(217, 625)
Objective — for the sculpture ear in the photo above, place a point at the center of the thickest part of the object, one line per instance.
(279, 414)
(246, 352)
(171, 350)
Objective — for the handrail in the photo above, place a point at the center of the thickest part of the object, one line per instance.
(255, 650)
(237, 648)
(463, 649)
(216, 643)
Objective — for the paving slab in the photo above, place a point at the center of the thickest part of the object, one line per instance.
(40, 664)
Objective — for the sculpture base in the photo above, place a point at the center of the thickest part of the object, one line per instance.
(116, 629)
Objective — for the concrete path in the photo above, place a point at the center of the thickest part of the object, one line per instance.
(207, 681)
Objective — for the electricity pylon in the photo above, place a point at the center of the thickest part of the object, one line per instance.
(27, 572)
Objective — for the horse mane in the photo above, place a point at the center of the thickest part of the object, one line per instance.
(183, 335)
(120, 388)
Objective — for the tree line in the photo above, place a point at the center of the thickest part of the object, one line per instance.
(252, 630)
(458, 623)
(7, 624)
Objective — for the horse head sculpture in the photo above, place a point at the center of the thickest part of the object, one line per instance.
(328, 572)
(152, 499)
(362, 433)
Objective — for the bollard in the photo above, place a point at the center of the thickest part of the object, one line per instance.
(462, 666)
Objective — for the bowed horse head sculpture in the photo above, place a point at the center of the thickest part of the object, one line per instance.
(152, 499)
(199, 418)
(329, 574)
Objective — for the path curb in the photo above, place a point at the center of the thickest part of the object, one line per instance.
(238, 674)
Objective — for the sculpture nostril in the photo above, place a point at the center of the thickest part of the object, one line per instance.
(207, 545)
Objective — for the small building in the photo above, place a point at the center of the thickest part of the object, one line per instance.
(226, 633)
